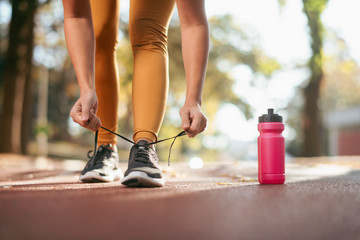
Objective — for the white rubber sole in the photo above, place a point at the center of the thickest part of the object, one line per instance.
(141, 179)
(96, 177)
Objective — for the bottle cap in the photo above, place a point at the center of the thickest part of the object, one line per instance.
(270, 117)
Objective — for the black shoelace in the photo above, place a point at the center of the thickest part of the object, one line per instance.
(142, 155)
(148, 144)
(97, 160)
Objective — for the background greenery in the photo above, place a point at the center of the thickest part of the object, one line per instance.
(33, 57)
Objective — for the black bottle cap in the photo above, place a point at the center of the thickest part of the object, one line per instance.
(270, 117)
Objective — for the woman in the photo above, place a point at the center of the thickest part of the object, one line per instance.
(91, 29)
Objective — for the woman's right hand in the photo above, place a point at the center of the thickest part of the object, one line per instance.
(84, 111)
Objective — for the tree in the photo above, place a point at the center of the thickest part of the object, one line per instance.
(341, 86)
(229, 46)
(17, 77)
(312, 127)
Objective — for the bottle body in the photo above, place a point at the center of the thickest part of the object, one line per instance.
(271, 153)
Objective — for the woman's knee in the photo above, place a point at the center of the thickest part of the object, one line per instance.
(105, 15)
(148, 34)
(106, 39)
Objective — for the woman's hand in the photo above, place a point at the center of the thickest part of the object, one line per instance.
(84, 110)
(193, 120)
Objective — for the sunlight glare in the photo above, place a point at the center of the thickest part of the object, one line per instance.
(196, 163)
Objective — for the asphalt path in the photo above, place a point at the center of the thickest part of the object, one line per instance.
(220, 201)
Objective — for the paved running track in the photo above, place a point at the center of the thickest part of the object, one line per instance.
(317, 202)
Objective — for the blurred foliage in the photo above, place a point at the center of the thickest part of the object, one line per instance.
(50, 53)
(313, 10)
(315, 7)
(229, 47)
(339, 90)
(17, 80)
(306, 118)
(4, 30)
(341, 85)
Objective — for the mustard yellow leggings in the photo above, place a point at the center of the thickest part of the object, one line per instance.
(148, 23)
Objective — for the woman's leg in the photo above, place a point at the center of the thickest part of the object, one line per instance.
(106, 23)
(149, 21)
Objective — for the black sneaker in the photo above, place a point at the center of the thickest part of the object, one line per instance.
(103, 166)
(143, 169)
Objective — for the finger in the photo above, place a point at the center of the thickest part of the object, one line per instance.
(186, 121)
(76, 117)
(198, 125)
(191, 133)
(95, 121)
(203, 124)
(98, 125)
(92, 125)
(77, 120)
(85, 109)
(195, 123)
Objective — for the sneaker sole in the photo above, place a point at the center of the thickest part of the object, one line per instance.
(141, 179)
(93, 177)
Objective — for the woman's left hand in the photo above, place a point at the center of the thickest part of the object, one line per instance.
(193, 120)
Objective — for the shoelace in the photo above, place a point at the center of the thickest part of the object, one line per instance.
(142, 155)
(148, 144)
(93, 160)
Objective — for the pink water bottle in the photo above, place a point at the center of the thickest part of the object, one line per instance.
(271, 149)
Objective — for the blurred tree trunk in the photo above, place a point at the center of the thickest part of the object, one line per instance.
(15, 120)
(312, 124)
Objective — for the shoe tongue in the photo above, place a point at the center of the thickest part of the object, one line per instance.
(142, 142)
